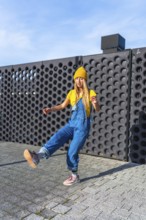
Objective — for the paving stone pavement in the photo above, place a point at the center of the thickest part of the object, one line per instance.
(109, 189)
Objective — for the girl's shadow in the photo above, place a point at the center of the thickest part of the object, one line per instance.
(111, 171)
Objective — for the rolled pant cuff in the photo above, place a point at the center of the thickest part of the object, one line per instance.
(74, 170)
(44, 151)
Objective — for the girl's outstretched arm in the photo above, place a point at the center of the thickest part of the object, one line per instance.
(56, 107)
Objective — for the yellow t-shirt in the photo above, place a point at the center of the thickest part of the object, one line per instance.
(72, 98)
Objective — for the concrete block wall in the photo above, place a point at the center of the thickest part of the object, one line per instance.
(118, 130)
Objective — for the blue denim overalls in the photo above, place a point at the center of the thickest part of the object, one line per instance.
(77, 130)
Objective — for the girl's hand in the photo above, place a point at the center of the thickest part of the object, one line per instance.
(47, 110)
(95, 103)
(93, 100)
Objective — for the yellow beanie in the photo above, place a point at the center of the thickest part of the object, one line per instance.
(80, 72)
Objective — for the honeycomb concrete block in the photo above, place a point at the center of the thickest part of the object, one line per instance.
(137, 144)
(108, 76)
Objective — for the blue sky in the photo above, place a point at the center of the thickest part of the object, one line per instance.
(32, 30)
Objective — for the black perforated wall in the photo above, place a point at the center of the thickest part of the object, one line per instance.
(108, 76)
(5, 104)
(137, 144)
(33, 87)
(118, 130)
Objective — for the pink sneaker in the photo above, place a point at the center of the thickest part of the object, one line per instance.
(71, 180)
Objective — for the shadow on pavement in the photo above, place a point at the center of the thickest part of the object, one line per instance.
(23, 161)
(12, 163)
(111, 171)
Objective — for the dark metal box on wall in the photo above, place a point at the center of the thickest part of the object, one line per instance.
(112, 43)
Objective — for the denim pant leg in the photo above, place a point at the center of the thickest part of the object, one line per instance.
(76, 144)
(57, 140)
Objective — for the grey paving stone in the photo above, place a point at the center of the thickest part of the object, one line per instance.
(2, 213)
(62, 209)
(51, 205)
(47, 213)
(59, 199)
(68, 217)
(122, 213)
(105, 216)
(22, 214)
(33, 217)
(35, 208)
(8, 217)
(138, 211)
(137, 217)
(69, 203)
(5, 206)
(24, 203)
(92, 212)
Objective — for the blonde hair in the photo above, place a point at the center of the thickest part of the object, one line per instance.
(86, 96)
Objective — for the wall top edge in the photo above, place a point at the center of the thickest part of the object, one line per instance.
(61, 59)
